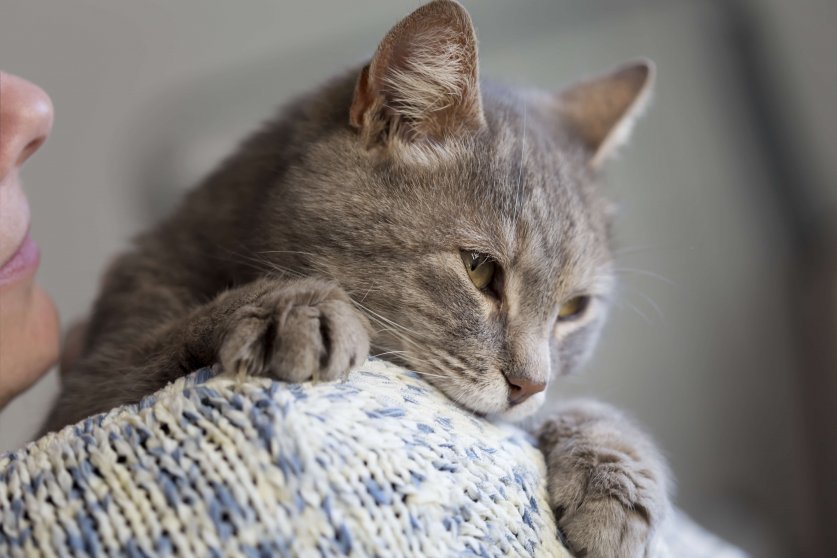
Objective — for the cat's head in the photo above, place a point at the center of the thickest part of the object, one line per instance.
(463, 217)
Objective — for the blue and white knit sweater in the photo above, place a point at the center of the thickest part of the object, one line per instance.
(379, 465)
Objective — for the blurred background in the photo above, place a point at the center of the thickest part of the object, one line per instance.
(724, 340)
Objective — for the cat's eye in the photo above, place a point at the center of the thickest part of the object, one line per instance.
(573, 308)
(480, 267)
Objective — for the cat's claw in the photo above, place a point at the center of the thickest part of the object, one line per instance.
(607, 484)
(304, 330)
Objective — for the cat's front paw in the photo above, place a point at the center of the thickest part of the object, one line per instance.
(607, 483)
(301, 330)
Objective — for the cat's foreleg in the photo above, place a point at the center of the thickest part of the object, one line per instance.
(608, 484)
(288, 329)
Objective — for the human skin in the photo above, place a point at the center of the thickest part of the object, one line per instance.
(29, 338)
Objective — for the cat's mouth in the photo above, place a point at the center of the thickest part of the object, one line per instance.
(488, 395)
(520, 411)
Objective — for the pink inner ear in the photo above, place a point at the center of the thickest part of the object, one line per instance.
(363, 99)
(423, 81)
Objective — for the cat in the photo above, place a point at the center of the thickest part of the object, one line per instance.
(451, 225)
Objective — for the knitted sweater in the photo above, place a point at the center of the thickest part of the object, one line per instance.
(381, 464)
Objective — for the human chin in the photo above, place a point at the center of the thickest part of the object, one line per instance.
(30, 340)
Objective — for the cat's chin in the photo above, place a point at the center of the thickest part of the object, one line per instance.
(523, 410)
(490, 401)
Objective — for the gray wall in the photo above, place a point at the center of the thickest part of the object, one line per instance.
(148, 95)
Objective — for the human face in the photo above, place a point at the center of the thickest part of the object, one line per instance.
(28, 321)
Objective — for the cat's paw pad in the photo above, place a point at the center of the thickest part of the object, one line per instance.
(605, 527)
(607, 510)
(303, 331)
(608, 498)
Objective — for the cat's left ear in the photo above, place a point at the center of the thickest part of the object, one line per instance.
(422, 85)
(602, 110)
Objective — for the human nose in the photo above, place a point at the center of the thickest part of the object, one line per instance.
(26, 115)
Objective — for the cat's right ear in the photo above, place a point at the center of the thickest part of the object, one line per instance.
(422, 85)
(602, 110)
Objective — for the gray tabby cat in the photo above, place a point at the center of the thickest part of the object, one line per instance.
(452, 225)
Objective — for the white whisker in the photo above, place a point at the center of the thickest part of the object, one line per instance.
(646, 273)
(519, 195)
(635, 309)
(653, 305)
(286, 252)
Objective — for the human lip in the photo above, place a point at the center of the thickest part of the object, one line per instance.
(23, 261)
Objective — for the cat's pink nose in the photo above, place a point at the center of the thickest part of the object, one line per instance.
(521, 389)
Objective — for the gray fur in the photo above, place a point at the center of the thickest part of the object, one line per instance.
(608, 484)
(319, 239)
